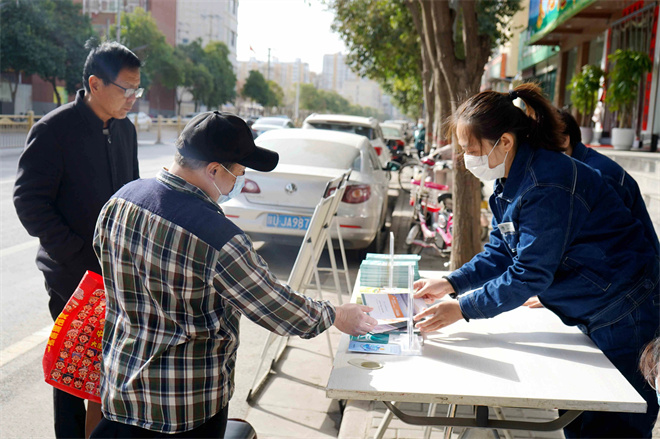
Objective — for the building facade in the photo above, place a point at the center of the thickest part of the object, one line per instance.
(562, 37)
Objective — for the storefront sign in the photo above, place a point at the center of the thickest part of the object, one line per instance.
(546, 15)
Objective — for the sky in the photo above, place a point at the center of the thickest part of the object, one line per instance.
(290, 28)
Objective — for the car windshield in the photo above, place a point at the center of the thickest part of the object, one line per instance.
(279, 121)
(367, 132)
(390, 131)
(313, 153)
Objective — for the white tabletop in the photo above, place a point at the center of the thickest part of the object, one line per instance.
(524, 358)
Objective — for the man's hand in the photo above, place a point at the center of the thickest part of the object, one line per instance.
(533, 302)
(432, 289)
(352, 320)
(441, 314)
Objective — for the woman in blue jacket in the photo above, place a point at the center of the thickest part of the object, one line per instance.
(560, 233)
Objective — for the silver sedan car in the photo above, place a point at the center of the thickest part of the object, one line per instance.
(278, 205)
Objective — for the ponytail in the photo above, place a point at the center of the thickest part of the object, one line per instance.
(490, 114)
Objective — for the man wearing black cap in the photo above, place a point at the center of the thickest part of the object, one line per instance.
(178, 275)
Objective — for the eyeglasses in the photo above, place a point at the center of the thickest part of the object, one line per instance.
(128, 92)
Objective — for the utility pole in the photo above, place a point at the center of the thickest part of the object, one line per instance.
(268, 76)
(118, 22)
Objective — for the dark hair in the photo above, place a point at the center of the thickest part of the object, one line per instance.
(490, 114)
(650, 361)
(107, 60)
(571, 127)
(194, 164)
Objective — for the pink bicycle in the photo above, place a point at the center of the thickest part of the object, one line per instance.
(432, 221)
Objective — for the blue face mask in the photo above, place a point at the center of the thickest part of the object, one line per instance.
(239, 182)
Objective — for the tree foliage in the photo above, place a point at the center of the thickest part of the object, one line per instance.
(205, 72)
(323, 101)
(216, 61)
(384, 46)
(454, 40)
(256, 88)
(140, 33)
(275, 94)
(44, 37)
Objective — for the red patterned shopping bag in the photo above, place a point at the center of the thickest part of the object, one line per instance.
(72, 361)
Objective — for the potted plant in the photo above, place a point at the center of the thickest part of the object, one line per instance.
(584, 93)
(623, 90)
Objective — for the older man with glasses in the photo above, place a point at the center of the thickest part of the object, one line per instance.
(75, 158)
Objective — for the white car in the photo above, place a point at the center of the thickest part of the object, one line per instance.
(394, 137)
(264, 124)
(364, 126)
(405, 128)
(278, 205)
(143, 120)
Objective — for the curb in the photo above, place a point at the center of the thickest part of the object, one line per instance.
(356, 419)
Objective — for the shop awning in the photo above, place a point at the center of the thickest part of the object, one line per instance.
(581, 25)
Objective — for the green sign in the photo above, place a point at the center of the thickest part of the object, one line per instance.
(531, 55)
(546, 15)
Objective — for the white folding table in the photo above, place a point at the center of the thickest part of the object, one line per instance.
(525, 358)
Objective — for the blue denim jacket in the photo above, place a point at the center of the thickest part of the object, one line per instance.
(623, 184)
(561, 233)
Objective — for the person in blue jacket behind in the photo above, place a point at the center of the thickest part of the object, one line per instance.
(561, 233)
(623, 184)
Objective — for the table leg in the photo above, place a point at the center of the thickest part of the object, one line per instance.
(385, 422)
(430, 413)
(500, 415)
(451, 413)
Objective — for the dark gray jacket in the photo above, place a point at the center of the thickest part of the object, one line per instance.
(67, 172)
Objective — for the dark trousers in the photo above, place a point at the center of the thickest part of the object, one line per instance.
(622, 343)
(69, 411)
(69, 416)
(213, 428)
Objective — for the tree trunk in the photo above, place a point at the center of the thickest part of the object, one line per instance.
(13, 91)
(53, 82)
(427, 74)
(455, 79)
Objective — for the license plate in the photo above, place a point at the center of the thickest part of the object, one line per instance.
(287, 221)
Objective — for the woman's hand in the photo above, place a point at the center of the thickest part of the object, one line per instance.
(441, 315)
(533, 302)
(432, 289)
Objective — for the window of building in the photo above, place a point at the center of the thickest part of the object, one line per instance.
(233, 38)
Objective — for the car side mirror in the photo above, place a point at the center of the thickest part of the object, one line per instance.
(392, 166)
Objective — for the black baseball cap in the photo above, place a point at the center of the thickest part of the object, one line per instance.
(224, 137)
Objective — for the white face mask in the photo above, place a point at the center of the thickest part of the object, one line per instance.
(478, 165)
(239, 182)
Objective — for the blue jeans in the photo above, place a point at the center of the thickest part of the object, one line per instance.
(622, 342)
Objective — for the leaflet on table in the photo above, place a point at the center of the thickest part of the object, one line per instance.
(390, 305)
(371, 338)
(374, 348)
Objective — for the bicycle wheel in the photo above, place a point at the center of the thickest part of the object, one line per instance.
(414, 234)
(406, 174)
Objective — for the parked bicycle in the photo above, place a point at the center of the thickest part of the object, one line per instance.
(432, 221)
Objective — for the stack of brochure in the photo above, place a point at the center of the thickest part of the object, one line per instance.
(374, 270)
